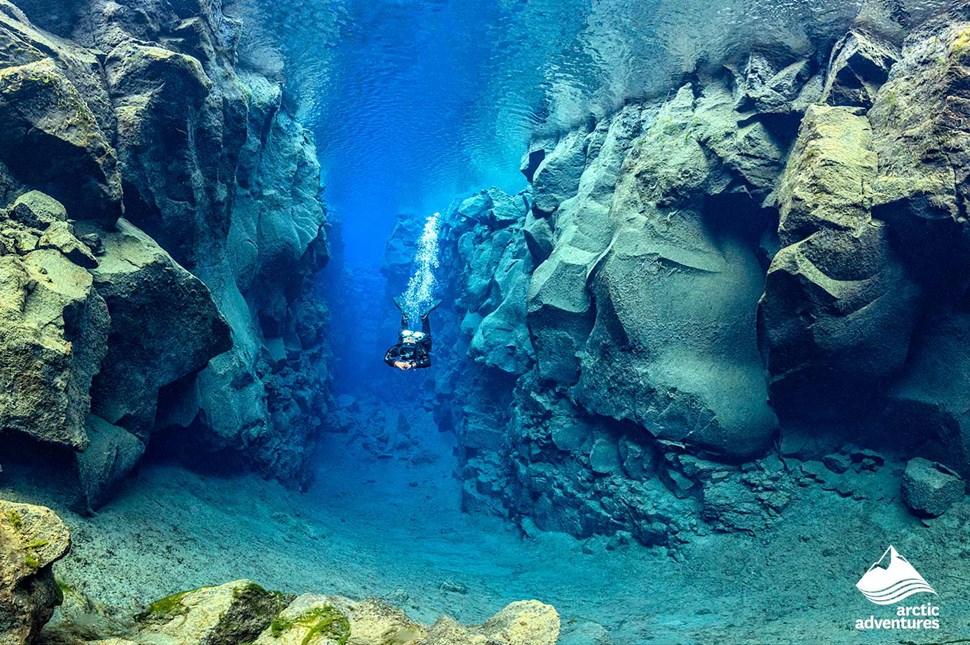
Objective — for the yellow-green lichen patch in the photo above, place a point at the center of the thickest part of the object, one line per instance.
(165, 607)
(321, 622)
(16, 521)
(961, 45)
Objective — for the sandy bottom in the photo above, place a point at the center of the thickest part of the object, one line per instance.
(390, 528)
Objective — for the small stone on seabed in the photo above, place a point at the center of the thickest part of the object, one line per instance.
(930, 488)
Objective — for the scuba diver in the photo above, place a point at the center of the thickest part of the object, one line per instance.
(413, 349)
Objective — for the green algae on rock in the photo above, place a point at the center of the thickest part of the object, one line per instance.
(32, 538)
(235, 612)
(244, 612)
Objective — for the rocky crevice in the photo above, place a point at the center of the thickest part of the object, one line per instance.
(164, 226)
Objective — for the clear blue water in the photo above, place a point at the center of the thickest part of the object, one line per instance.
(416, 101)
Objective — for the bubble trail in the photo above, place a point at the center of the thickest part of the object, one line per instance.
(420, 292)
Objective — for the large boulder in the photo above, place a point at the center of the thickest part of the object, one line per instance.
(828, 174)
(235, 612)
(51, 141)
(164, 326)
(839, 307)
(32, 538)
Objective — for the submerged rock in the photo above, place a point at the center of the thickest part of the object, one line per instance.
(243, 612)
(54, 331)
(837, 271)
(930, 488)
(32, 538)
(860, 65)
(235, 612)
(111, 454)
(164, 326)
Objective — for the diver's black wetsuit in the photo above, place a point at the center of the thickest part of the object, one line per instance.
(416, 354)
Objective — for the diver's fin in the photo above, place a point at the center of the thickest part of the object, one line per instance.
(398, 303)
(434, 305)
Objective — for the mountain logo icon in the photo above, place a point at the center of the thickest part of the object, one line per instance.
(891, 579)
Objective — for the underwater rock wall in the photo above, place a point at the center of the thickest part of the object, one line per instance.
(767, 265)
(163, 225)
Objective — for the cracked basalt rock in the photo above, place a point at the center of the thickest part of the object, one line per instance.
(181, 315)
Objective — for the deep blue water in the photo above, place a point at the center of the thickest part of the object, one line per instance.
(417, 101)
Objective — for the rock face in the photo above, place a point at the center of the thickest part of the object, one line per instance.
(32, 538)
(244, 612)
(860, 65)
(640, 295)
(677, 374)
(163, 223)
(838, 270)
(772, 253)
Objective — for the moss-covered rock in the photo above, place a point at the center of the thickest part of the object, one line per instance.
(32, 538)
(235, 612)
(311, 620)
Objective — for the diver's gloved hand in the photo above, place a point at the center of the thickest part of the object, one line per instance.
(399, 303)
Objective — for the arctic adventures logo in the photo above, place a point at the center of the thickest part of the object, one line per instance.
(892, 579)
